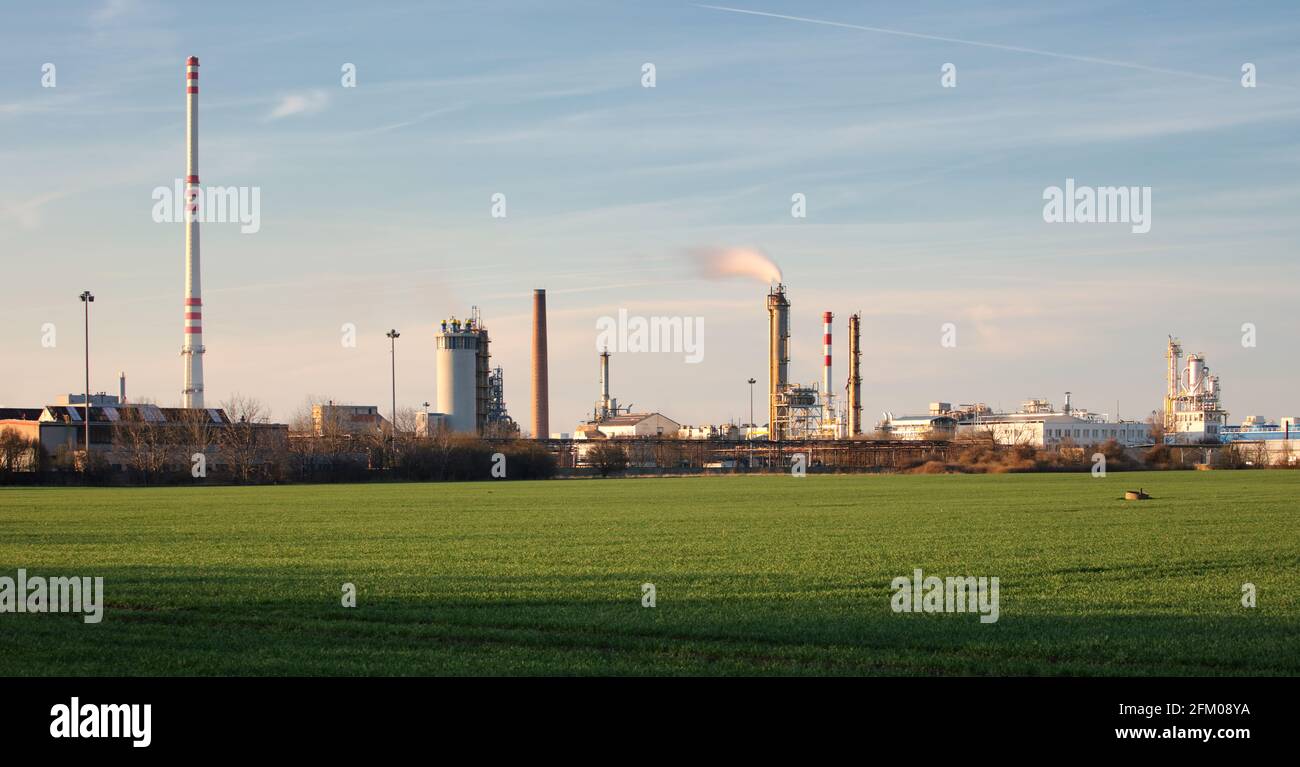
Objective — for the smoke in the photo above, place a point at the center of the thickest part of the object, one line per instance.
(720, 263)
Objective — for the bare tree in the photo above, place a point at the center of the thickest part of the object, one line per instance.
(145, 443)
(196, 433)
(243, 443)
(608, 458)
(17, 453)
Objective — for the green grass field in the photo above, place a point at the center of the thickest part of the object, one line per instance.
(759, 575)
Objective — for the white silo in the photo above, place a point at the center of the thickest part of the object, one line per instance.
(457, 352)
(1195, 374)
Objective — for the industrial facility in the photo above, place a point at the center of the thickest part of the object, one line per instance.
(1192, 413)
(470, 392)
(609, 419)
(797, 411)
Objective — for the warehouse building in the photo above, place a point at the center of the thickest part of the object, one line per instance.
(1037, 424)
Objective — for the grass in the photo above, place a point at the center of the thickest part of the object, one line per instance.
(754, 575)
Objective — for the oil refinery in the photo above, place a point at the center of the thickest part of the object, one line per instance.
(469, 391)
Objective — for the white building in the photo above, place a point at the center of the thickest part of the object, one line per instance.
(1056, 429)
(629, 425)
(330, 419)
(1036, 424)
(726, 431)
(917, 427)
(1264, 443)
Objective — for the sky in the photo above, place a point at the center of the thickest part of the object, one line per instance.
(924, 204)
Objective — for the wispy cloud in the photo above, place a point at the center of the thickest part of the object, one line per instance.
(28, 212)
(309, 102)
(980, 44)
(113, 10)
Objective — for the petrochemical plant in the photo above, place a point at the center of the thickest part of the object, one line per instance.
(469, 390)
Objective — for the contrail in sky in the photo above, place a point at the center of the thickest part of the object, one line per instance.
(978, 44)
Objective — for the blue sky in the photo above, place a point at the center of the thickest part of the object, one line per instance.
(924, 203)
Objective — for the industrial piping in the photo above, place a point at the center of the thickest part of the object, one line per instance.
(192, 345)
(541, 397)
(855, 375)
(604, 410)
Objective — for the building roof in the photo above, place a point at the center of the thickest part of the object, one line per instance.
(919, 419)
(631, 419)
(130, 413)
(20, 413)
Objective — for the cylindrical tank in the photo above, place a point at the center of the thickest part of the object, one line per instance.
(1195, 373)
(457, 356)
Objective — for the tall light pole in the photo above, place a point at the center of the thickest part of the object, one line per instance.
(393, 335)
(749, 433)
(87, 298)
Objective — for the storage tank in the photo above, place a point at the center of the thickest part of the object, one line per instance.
(1195, 373)
(457, 355)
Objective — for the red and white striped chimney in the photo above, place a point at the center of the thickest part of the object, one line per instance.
(192, 345)
(827, 318)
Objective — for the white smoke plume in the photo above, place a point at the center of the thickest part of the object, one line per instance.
(719, 263)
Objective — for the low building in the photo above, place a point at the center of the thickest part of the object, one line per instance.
(1037, 424)
(1051, 430)
(429, 424)
(629, 425)
(1261, 442)
(121, 434)
(918, 427)
(726, 432)
(330, 419)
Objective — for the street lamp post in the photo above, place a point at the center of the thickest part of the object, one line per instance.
(392, 351)
(749, 433)
(87, 298)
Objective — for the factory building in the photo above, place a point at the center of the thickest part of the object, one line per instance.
(914, 427)
(1262, 442)
(330, 419)
(727, 432)
(630, 425)
(116, 429)
(610, 419)
(1036, 424)
(1057, 429)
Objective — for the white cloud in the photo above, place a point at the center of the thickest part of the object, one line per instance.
(28, 213)
(306, 103)
(113, 9)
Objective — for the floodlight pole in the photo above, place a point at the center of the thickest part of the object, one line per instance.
(87, 298)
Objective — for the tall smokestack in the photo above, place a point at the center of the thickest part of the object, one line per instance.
(827, 318)
(855, 375)
(778, 362)
(604, 384)
(541, 396)
(121, 387)
(192, 346)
